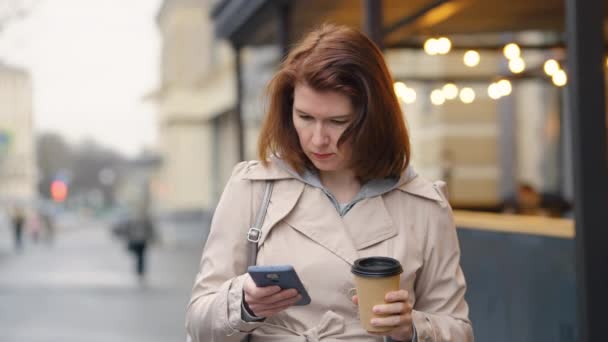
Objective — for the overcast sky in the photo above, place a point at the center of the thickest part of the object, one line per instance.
(91, 63)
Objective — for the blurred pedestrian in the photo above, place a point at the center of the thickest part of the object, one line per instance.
(18, 220)
(34, 225)
(49, 226)
(140, 231)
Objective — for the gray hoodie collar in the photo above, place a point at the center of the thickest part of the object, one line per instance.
(372, 188)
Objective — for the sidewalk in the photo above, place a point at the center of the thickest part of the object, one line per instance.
(83, 288)
(6, 236)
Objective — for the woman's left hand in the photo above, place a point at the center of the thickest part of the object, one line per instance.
(398, 314)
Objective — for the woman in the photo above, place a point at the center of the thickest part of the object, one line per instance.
(336, 148)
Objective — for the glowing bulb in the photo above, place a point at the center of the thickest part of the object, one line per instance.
(467, 95)
(551, 66)
(494, 91)
(399, 88)
(409, 96)
(450, 91)
(517, 65)
(431, 46)
(511, 51)
(560, 78)
(471, 58)
(437, 97)
(504, 86)
(607, 62)
(444, 45)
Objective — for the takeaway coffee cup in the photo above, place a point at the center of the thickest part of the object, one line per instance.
(374, 278)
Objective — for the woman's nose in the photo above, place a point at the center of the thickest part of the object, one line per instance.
(320, 136)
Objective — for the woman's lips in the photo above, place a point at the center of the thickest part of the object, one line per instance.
(321, 156)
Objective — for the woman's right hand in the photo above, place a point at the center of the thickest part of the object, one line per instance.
(269, 300)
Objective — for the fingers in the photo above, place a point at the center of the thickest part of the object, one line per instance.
(252, 291)
(262, 309)
(397, 302)
(259, 293)
(397, 296)
(392, 308)
(266, 301)
(393, 321)
(396, 313)
(273, 299)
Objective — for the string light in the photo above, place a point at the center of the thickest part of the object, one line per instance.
(471, 58)
(444, 45)
(551, 66)
(437, 97)
(494, 91)
(437, 46)
(504, 86)
(511, 51)
(431, 46)
(560, 78)
(405, 93)
(399, 88)
(517, 65)
(410, 95)
(450, 91)
(467, 95)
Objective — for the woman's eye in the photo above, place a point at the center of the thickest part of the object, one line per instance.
(339, 122)
(306, 117)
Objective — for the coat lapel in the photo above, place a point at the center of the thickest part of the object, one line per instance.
(423, 188)
(285, 196)
(316, 218)
(369, 222)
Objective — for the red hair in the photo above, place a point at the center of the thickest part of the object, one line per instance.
(340, 59)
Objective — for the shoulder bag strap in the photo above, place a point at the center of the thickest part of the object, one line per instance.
(255, 233)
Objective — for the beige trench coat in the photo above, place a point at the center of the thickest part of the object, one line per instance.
(412, 223)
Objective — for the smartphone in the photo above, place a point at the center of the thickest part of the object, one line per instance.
(282, 275)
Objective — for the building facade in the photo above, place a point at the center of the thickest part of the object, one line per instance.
(197, 106)
(192, 88)
(18, 173)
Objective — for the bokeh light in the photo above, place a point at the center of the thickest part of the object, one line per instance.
(467, 95)
(471, 58)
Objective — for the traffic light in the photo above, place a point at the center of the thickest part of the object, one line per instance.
(59, 191)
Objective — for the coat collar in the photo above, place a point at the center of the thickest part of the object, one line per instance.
(421, 187)
(410, 182)
(315, 217)
(257, 171)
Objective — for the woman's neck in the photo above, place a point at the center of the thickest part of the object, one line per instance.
(344, 185)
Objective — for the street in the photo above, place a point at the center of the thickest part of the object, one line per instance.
(82, 287)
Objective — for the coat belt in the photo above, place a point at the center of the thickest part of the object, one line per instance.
(331, 324)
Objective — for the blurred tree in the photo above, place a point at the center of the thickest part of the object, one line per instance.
(54, 156)
(84, 168)
(90, 162)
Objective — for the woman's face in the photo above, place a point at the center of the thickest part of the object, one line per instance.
(320, 118)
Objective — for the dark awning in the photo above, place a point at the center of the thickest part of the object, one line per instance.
(253, 22)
